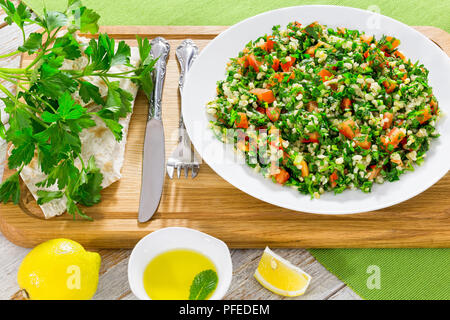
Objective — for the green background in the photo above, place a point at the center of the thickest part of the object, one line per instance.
(227, 12)
(404, 273)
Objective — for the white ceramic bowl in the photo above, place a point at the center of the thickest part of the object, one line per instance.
(209, 67)
(172, 238)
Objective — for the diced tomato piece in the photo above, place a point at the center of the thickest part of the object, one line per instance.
(388, 117)
(424, 116)
(395, 42)
(273, 113)
(348, 128)
(241, 121)
(404, 142)
(312, 106)
(313, 137)
(393, 138)
(297, 24)
(374, 172)
(305, 169)
(325, 75)
(342, 30)
(346, 104)
(366, 38)
(365, 144)
(280, 77)
(434, 106)
(243, 61)
(366, 54)
(390, 86)
(261, 110)
(263, 95)
(400, 55)
(333, 178)
(289, 63)
(254, 63)
(405, 76)
(311, 50)
(398, 162)
(291, 76)
(275, 64)
(282, 177)
(270, 43)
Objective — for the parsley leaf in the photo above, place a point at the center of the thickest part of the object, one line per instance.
(88, 192)
(89, 92)
(32, 44)
(23, 150)
(54, 20)
(45, 122)
(47, 196)
(10, 189)
(15, 15)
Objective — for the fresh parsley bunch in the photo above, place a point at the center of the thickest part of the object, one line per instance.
(44, 119)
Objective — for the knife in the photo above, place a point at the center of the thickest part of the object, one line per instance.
(153, 163)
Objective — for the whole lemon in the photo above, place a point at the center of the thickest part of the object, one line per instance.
(59, 269)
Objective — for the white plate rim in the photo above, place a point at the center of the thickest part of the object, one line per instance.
(436, 177)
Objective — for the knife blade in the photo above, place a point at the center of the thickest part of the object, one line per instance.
(153, 163)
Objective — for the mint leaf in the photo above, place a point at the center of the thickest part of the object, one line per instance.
(204, 283)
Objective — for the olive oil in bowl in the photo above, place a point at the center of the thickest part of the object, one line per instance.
(169, 275)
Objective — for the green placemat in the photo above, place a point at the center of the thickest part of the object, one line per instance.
(391, 273)
(372, 273)
(227, 12)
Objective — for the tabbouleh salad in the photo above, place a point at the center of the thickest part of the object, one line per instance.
(326, 110)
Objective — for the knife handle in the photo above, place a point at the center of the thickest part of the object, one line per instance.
(160, 49)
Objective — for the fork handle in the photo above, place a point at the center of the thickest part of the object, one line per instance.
(186, 53)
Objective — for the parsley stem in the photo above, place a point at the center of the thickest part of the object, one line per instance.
(14, 71)
(7, 92)
(9, 54)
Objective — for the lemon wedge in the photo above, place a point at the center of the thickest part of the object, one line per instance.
(280, 276)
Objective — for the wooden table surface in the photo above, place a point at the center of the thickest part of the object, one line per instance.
(113, 283)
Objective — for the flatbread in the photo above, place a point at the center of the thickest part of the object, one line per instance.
(97, 141)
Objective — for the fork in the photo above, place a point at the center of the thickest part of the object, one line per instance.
(184, 157)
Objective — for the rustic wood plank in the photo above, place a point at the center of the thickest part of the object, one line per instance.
(344, 294)
(244, 286)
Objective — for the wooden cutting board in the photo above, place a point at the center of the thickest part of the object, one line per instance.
(210, 204)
